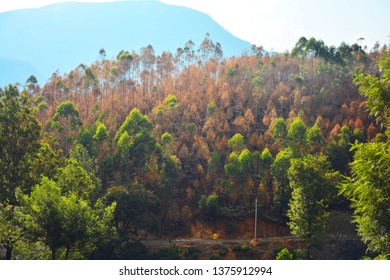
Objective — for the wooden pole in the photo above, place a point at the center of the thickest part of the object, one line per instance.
(255, 219)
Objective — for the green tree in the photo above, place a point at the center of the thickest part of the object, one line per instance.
(215, 163)
(233, 167)
(377, 91)
(73, 179)
(169, 175)
(338, 150)
(369, 185)
(211, 108)
(135, 122)
(44, 215)
(135, 145)
(166, 142)
(66, 120)
(86, 138)
(136, 208)
(315, 139)
(31, 83)
(236, 143)
(280, 130)
(297, 136)
(19, 145)
(209, 206)
(90, 165)
(64, 221)
(246, 167)
(282, 192)
(369, 191)
(313, 185)
(171, 102)
(101, 133)
(266, 158)
(10, 229)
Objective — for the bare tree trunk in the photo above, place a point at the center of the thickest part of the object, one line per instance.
(67, 253)
(8, 253)
(53, 253)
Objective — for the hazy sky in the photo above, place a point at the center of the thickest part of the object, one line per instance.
(278, 24)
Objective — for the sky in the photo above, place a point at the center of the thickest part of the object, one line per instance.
(278, 24)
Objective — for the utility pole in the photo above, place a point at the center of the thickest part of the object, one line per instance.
(255, 218)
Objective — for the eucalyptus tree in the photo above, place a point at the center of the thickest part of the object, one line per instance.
(66, 121)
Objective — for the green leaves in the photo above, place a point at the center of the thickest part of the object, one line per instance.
(236, 143)
(66, 116)
(297, 135)
(279, 129)
(368, 189)
(209, 205)
(63, 219)
(311, 181)
(377, 91)
(136, 208)
(134, 123)
(19, 143)
(101, 133)
(66, 121)
(369, 192)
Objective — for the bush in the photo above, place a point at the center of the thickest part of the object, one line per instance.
(236, 247)
(132, 251)
(223, 251)
(284, 254)
(192, 252)
(171, 253)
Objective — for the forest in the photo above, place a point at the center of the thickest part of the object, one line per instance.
(147, 146)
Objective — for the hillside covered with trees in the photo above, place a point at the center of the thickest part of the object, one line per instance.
(150, 146)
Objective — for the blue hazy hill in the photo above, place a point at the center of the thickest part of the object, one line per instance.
(61, 36)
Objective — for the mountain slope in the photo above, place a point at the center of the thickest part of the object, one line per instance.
(61, 36)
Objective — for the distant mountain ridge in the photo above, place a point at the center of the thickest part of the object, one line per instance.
(61, 36)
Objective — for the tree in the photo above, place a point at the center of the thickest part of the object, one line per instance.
(209, 206)
(297, 136)
(338, 150)
(282, 192)
(73, 178)
(246, 167)
(280, 130)
(136, 208)
(166, 142)
(31, 83)
(215, 164)
(101, 133)
(19, 145)
(236, 143)
(369, 191)
(66, 120)
(377, 91)
(44, 215)
(64, 220)
(233, 168)
(10, 229)
(315, 139)
(135, 122)
(369, 185)
(313, 187)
